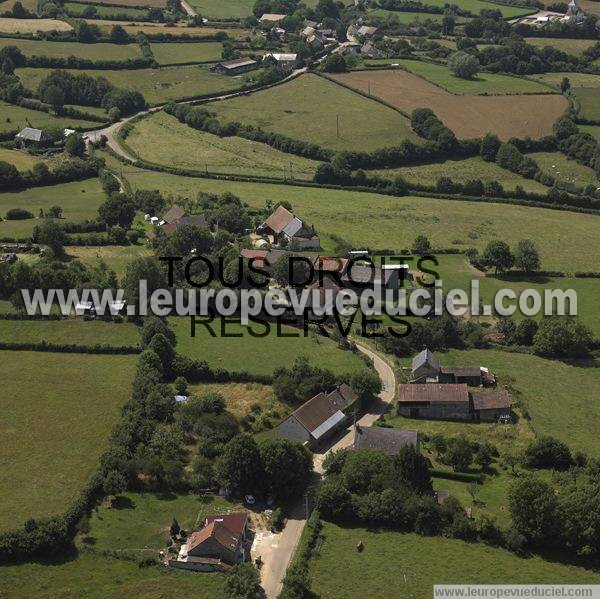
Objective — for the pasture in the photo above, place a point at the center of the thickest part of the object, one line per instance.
(217, 9)
(566, 240)
(175, 30)
(593, 130)
(15, 118)
(278, 348)
(469, 115)
(103, 11)
(79, 201)
(186, 52)
(157, 85)
(162, 139)
(571, 46)
(395, 560)
(310, 108)
(72, 331)
(148, 3)
(565, 169)
(476, 6)
(586, 88)
(22, 160)
(461, 170)
(117, 257)
(90, 575)
(100, 51)
(65, 404)
(10, 25)
(410, 18)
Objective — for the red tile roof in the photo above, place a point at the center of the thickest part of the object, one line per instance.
(433, 392)
(279, 219)
(226, 530)
(235, 523)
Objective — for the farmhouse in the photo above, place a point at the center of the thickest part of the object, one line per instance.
(176, 217)
(427, 369)
(282, 224)
(284, 62)
(453, 401)
(320, 417)
(33, 138)
(223, 538)
(388, 440)
(236, 66)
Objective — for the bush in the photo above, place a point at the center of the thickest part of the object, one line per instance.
(18, 214)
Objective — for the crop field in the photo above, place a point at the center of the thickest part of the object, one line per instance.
(462, 170)
(217, 9)
(116, 256)
(9, 25)
(14, 118)
(564, 169)
(310, 108)
(22, 160)
(79, 201)
(72, 331)
(68, 415)
(157, 85)
(571, 46)
(157, 28)
(241, 354)
(468, 116)
(98, 51)
(162, 139)
(395, 560)
(178, 53)
(586, 88)
(90, 575)
(566, 240)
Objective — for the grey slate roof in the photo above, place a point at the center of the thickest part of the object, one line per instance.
(425, 357)
(389, 440)
(33, 134)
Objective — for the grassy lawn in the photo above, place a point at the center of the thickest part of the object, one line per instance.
(571, 46)
(139, 522)
(117, 257)
(307, 108)
(98, 577)
(162, 139)
(566, 240)
(9, 25)
(157, 85)
(15, 118)
(564, 169)
(173, 53)
(22, 160)
(217, 9)
(462, 170)
(396, 560)
(79, 200)
(99, 51)
(68, 403)
(552, 392)
(243, 353)
(73, 331)
(482, 83)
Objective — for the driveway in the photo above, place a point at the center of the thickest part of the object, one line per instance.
(279, 550)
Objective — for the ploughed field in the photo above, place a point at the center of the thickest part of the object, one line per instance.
(469, 115)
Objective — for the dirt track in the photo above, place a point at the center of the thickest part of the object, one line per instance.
(468, 116)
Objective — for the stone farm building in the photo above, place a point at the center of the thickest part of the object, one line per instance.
(236, 66)
(282, 224)
(223, 539)
(320, 417)
(284, 62)
(388, 440)
(426, 368)
(33, 138)
(453, 401)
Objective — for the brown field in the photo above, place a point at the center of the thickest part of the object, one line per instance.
(154, 28)
(467, 116)
(32, 25)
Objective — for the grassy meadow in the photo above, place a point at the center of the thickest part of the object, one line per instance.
(98, 577)
(565, 169)
(10, 25)
(244, 353)
(184, 52)
(79, 201)
(217, 9)
(100, 51)
(72, 331)
(157, 85)
(586, 88)
(22, 160)
(593, 130)
(117, 257)
(79, 10)
(162, 139)
(571, 46)
(65, 406)
(409, 18)
(309, 108)
(395, 560)
(566, 240)
(476, 6)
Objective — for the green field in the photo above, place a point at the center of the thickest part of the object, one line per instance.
(462, 170)
(65, 405)
(179, 53)
(566, 240)
(564, 169)
(245, 353)
(116, 256)
(98, 577)
(571, 46)
(586, 88)
(10, 25)
(72, 331)
(77, 10)
(218, 9)
(162, 139)
(79, 201)
(482, 83)
(22, 160)
(157, 85)
(139, 522)
(593, 130)
(476, 6)
(408, 18)
(308, 108)
(412, 564)
(98, 51)
(15, 118)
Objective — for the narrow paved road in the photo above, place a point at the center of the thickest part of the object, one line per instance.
(275, 566)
